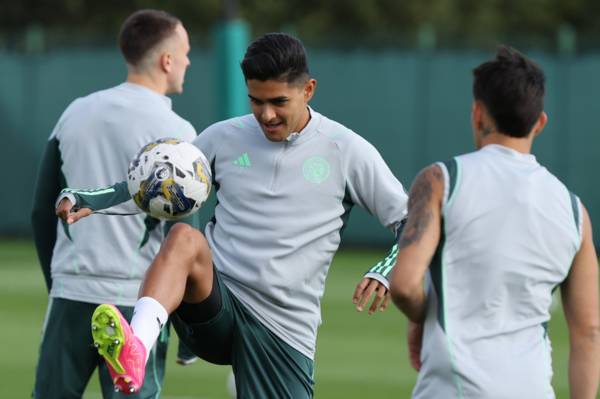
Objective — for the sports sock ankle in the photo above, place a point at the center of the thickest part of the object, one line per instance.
(149, 316)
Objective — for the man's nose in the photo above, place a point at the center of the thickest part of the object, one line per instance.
(267, 113)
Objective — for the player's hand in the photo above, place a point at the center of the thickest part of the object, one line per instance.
(365, 290)
(414, 339)
(65, 211)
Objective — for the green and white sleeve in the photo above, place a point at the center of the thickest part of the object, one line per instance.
(382, 269)
(97, 199)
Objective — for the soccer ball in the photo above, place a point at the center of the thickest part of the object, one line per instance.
(169, 179)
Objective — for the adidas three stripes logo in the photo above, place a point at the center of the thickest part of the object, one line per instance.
(243, 161)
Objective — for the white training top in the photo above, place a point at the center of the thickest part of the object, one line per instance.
(98, 135)
(510, 232)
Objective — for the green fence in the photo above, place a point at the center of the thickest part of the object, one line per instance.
(413, 106)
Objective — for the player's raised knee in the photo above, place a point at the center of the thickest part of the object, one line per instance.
(186, 237)
(184, 234)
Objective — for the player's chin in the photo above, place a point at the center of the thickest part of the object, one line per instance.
(271, 134)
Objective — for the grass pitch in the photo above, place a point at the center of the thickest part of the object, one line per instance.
(358, 355)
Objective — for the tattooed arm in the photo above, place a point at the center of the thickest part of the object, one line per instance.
(418, 242)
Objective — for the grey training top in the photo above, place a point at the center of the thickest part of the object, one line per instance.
(281, 207)
(100, 259)
(509, 235)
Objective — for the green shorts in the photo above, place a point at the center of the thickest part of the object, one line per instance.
(68, 358)
(264, 365)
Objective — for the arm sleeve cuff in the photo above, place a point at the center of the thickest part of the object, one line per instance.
(64, 195)
(378, 277)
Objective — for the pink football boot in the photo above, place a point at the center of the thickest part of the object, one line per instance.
(124, 353)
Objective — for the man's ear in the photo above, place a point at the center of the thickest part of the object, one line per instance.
(476, 116)
(309, 89)
(165, 61)
(540, 124)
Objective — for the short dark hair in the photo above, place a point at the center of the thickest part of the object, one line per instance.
(511, 87)
(275, 56)
(142, 31)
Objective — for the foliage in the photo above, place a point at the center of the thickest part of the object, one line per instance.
(470, 23)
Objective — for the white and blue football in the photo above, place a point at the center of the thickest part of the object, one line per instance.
(169, 179)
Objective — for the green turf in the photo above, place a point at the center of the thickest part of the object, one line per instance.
(358, 355)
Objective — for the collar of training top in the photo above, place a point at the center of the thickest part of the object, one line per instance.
(309, 130)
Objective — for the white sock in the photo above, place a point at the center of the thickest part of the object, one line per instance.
(149, 316)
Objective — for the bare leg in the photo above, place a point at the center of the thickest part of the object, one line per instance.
(182, 269)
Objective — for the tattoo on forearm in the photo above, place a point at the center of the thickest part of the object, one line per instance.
(419, 211)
